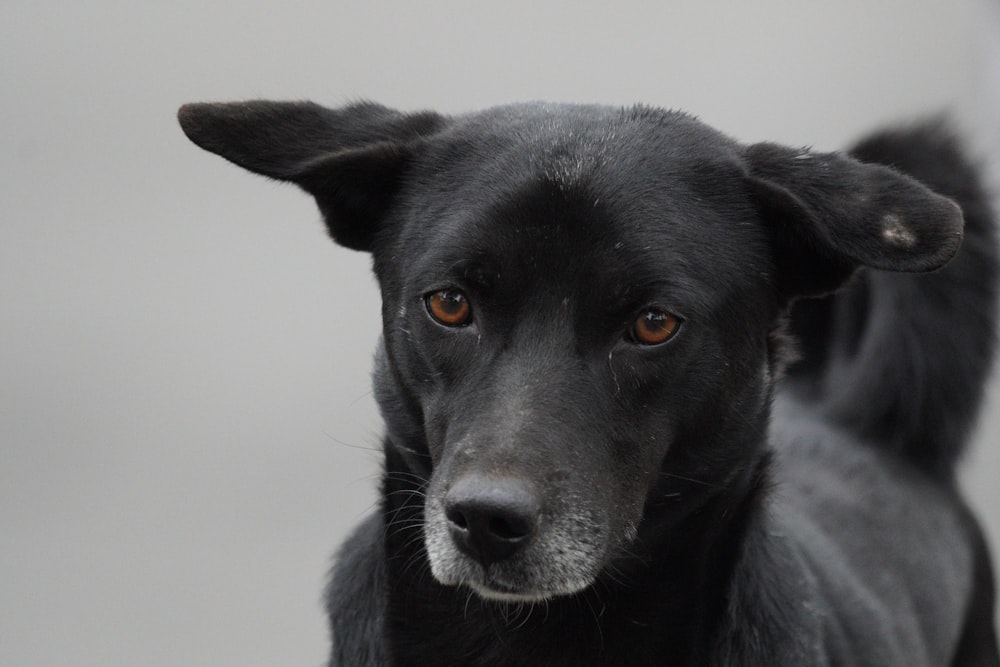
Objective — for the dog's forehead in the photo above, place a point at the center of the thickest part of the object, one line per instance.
(570, 191)
(571, 143)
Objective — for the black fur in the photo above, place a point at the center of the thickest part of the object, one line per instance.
(557, 492)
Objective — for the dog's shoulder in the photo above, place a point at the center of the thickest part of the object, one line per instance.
(870, 534)
(356, 598)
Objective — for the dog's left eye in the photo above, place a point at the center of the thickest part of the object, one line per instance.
(654, 326)
(449, 307)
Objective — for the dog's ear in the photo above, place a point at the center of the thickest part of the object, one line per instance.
(351, 160)
(829, 214)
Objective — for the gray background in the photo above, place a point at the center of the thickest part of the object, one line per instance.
(186, 428)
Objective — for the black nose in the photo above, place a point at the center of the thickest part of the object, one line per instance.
(490, 519)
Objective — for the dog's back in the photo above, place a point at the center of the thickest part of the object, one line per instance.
(870, 424)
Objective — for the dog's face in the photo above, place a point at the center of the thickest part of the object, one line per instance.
(563, 306)
(577, 306)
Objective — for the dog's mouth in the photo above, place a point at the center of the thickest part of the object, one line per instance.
(499, 592)
(492, 587)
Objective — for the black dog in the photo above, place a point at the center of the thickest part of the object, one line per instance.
(591, 455)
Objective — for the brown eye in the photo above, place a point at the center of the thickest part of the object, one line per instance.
(449, 307)
(654, 326)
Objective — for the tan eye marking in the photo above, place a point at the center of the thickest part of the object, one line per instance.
(654, 326)
(449, 307)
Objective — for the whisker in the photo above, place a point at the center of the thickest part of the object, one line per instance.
(408, 492)
(468, 599)
(403, 475)
(674, 475)
(359, 398)
(597, 620)
(347, 444)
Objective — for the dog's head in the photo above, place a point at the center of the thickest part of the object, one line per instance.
(578, 305)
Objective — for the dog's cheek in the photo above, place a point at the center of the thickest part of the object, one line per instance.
(645, 433)
(635, 469)
(407, 381)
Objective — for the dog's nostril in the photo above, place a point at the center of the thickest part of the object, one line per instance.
(457, 518)
(509, 529)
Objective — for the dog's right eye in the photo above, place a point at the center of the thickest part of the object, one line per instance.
(654, 326)
(449, 307)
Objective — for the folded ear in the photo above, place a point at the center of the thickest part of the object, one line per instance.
(830, 214)
(351, 160)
